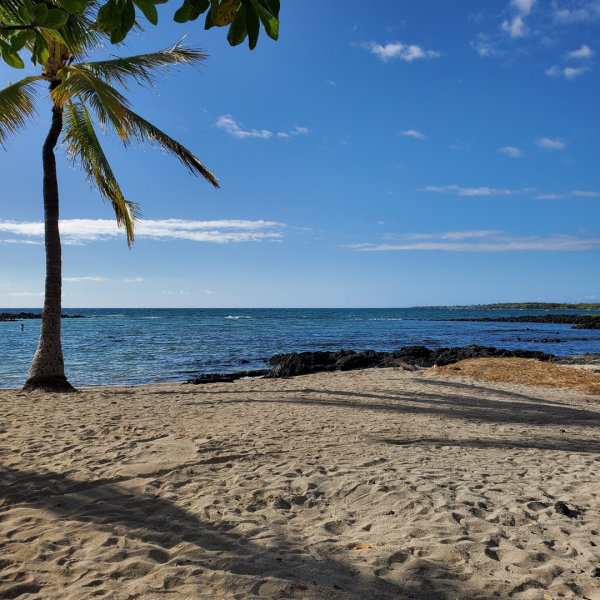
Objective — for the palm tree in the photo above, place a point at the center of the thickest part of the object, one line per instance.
(82, 96)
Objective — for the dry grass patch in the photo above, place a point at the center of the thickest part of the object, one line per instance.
(524, 371)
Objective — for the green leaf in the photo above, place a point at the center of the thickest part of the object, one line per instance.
(200, 5)
(159, 1)
(18, 41)
(12, 59)
(184, 13)
(56, 19)
(39, 13)
(209, 22)
(74, 6)
(24, 14)
(40, 49)
(253, 26)
(109, 16)
(270, 23)
(194, 14)
(127, 21)
(28, 5)
(148, 9)
(271, 7)
(237, 31)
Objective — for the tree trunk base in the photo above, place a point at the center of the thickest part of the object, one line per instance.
(57, 384)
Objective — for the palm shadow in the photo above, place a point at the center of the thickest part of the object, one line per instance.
(171, 537)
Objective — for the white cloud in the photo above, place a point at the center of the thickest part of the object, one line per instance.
(412, 133)
(21, 242)
(482, 191)
(135, 280)
(167, 293)
(583, 52)
(85, 279)
(549, 197)
(568, 72)
(296, 131)
(515, 28)
(79, 231)
(227, 123)
(550, 144)
(208, 292)
(485, 47)
(332, 83)
(589, 11)
(511, 151)
(485, 241)
(399, 50)
(586, 194)
(571, 73)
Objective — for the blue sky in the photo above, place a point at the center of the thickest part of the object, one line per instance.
(380, 154)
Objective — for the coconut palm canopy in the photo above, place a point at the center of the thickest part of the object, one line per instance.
(85, 97)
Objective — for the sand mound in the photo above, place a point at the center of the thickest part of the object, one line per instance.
(525, 372)
(376, 484)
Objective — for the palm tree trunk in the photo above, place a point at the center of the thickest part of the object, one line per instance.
(47, 372)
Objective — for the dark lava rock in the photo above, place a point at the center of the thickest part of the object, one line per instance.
(577, 359)
(303, 363)
(225, 377)
(562, 509)
(579, 321)
(23, 316)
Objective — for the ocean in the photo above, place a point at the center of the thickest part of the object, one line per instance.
(140, 346)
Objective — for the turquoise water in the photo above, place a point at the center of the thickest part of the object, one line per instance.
(132, 346)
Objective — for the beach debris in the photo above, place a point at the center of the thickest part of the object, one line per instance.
(562, 509)
(547, 597)
(363, 547)
(301, 586)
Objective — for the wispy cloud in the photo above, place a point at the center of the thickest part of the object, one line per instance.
(135, 280)
(79, 231)
(516, 26)
(412, 133)
(568, 72)
(550, 144)
(228, 124)
(21, 242)
(483, 241)
(398, 50)
(85, 279)
(583, 52)
(586, 194)
(580, 13)
(208, 292)
(481, 191)
(550, 197)
(485, 46)
(511, 151)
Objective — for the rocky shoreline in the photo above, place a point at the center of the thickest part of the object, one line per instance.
(410, 358)
(23, 316)
(578, 321)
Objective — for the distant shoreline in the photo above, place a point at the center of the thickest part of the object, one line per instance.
(524, 305)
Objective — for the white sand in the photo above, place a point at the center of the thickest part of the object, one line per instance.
(264, 488)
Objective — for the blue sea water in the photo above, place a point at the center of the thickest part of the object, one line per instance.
(135, 346)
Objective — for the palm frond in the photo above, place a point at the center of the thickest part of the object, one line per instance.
(84, 148)
(17, 106)
(144, 68)
(141, 131)
(107, 103)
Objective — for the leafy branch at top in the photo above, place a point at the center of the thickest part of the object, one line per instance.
(27, 25)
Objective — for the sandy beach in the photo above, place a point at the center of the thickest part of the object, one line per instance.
(350, 485)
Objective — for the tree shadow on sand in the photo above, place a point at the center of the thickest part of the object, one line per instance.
(145, 544)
